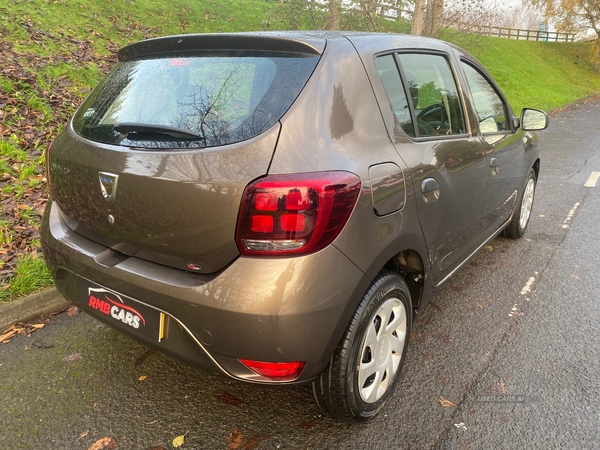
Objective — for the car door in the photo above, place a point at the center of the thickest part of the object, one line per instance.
(503, 145)
(447, 164)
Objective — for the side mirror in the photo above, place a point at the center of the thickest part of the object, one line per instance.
(533, 119)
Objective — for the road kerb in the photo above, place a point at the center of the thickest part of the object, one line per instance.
(40, 303)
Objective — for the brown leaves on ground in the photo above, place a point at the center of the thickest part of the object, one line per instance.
(144, 356)
(229, 399)
(19, 328)
(445, 402)
(73, 311)
(236, 438)
(73, 357)
(108, 443)
(29, 130)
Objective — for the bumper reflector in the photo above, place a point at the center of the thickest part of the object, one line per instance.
(277, 371)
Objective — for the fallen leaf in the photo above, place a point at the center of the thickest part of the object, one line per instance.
(72, 311)
(20, 328)
(143, 358)
(106, 442)
(235, 439)
(489, 248)
(229, 399)
(84, 434)
(73, 357)
(308, 424)
(445, 402)
(158, 447)
(7, 335)
(253, 442)
(143, 377)
(179, 440)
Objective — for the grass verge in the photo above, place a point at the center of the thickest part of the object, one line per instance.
(31, 275)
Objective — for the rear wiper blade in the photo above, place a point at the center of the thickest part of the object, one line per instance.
(151, 128)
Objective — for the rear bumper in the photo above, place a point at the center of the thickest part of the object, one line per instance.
(263, 309)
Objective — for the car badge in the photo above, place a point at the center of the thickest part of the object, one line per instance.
(108, 185)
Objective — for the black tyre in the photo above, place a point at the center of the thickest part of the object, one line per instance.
(365, 366)
(520, 219)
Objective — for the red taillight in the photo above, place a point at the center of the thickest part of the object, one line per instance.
(47, 158)
(295, 213)
(280, 371)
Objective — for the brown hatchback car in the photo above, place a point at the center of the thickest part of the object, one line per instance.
(274, 207)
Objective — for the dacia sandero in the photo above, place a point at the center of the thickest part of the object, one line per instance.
(274, 207)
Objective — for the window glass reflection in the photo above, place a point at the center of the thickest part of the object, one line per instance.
(488, 104)
(433, 94)
(219, 97)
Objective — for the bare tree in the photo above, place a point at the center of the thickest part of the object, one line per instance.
(335, 7)
(523, 17)
(433, 17)
(418, 22)
(467, 16)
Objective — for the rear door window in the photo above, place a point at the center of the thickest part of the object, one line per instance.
(433, 101)
(200, 100)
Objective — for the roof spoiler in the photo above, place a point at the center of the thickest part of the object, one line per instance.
(276, 42)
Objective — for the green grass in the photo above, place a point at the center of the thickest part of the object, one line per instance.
(545, 75)
(31, 275)
(123, 21)
(9, 149)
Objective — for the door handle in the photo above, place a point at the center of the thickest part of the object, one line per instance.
(430, 190)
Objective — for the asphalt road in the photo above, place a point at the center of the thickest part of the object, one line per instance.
(506, 356)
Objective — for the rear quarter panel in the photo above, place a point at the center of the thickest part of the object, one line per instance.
(336, 124)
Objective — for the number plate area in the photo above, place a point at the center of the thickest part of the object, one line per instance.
(121, 311)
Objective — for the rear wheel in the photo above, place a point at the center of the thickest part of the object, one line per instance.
(365, 366)
(518, 224)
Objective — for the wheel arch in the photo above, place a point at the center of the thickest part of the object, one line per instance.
(410, 266)
(536, 168)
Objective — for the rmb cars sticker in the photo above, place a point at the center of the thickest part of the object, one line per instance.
(111, 304)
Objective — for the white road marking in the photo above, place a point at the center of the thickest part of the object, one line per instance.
(570, 215)
(592, 180)
(527, 288)
(514, 311)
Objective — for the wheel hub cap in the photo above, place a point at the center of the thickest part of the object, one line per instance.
(526, 204)
(382, 350)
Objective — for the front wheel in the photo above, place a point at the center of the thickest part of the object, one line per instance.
(365, 366)
(516, 228)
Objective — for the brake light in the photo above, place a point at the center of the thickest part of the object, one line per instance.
(280, 371)
(295, 213)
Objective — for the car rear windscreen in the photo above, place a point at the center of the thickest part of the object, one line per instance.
(188, 101)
